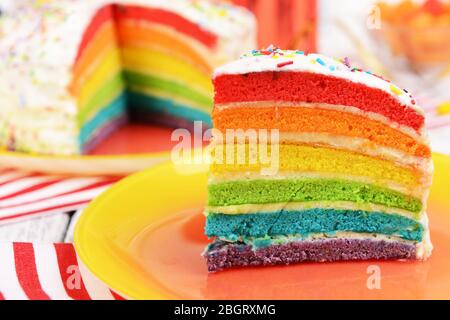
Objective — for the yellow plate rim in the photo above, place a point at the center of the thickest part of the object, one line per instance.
(91, 208)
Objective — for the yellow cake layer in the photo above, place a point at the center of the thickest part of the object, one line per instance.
(358, 145)
(297, 158)
(165, 66)
(165, 39)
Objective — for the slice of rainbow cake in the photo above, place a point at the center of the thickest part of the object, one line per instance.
(353, 164)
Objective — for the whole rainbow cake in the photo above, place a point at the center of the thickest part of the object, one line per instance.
(353, 165)
(72, 71)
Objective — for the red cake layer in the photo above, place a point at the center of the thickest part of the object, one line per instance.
(160, 16)
(174, 20)
(312, 87)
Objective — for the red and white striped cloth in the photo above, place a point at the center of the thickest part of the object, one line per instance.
(24, 194)
(47, 272)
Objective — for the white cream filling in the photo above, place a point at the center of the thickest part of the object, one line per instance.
(298, 206)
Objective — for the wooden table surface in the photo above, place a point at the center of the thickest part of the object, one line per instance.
(57, 227)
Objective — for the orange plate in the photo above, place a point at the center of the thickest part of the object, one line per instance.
(144, 237)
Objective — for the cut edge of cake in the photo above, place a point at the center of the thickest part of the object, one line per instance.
(355, 165)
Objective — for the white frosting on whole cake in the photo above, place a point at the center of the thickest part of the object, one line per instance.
(228, 22)
(39, 42)
(274, 59)
(38, 46)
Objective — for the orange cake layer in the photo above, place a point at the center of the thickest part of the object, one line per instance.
(103, 41)
(144, 35)
(315, 119)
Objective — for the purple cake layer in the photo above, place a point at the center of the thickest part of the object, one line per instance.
(102, 133)
(222, 255)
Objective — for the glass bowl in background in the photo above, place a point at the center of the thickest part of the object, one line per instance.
(417, 31)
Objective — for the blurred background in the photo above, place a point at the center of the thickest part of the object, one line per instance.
(405, 41)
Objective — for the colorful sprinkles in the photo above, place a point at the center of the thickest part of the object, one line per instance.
(274, 52)
(346, 61)
(321, 62)
(397, 91)
(286, 63)
(335, 65)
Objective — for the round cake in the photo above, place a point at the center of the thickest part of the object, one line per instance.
(72, 71)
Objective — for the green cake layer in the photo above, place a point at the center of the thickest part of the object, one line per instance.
(302, 190)
(135, 79)
(112, 88)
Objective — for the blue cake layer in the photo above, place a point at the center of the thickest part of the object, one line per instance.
(307, 222)
(116, 109)
(168, 107)
(145, 105)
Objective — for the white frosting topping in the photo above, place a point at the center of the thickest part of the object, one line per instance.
(274, 59)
